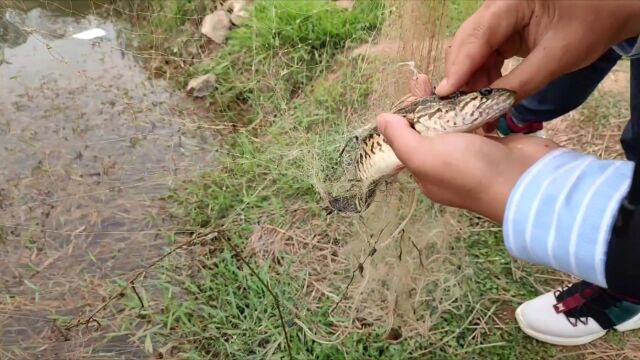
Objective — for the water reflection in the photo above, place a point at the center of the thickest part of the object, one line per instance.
(88, 145)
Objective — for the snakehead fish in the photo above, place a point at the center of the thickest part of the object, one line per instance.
(375, 161)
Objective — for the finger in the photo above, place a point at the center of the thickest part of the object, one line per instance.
(477, 39)
(486, 74)
(406, 143)
(478, 80)
(495, 70)
(420, 86)
(534, 71)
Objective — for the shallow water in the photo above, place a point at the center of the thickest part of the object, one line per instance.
(88, 146)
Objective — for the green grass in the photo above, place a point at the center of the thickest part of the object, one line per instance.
(291, 42)
(601, 108)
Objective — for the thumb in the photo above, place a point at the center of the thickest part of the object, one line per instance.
(533, 73)
(478, 37)
(407, 144)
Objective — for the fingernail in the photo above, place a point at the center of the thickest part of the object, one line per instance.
(443, 84)
(381, 122)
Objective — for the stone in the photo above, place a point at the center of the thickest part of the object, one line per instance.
(239, 14)
(239, 18)
(11, 35)
(216, 26)
(202, 85)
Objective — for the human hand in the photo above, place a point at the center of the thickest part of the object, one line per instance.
(554, 37)
(462, 170)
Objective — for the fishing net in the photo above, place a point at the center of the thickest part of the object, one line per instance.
(402, 250)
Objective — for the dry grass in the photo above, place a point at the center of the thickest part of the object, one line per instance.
(596, 127)
(406, 279)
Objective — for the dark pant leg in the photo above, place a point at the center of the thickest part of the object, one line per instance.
(631, 135)
(621, 267)
(566, 92)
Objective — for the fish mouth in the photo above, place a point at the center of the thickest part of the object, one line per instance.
(344, 204)
(352, 203)
(511, 96)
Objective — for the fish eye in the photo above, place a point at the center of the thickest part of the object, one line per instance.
(486, 91)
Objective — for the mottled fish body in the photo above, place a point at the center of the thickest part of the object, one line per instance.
(462, 112)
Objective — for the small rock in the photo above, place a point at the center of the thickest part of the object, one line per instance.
(11, 34)
(202, 85)
(345, 4)
(216, 26)
(239, 14)
(239, 18)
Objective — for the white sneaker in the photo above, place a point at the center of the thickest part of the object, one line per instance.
(576, 315)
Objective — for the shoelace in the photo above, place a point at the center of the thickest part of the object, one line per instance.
(560, 293)
(579, 296)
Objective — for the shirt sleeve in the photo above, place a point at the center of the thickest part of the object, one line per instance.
(629, 48)
(561, 212)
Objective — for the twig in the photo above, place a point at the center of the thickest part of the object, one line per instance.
(131, 283)
(133, 287)
(344, 293)
(267, 287)
(344, 147)
(419, 252)
(359, 268)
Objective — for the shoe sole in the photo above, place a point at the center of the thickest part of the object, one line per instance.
(554, 339)
(631, 324)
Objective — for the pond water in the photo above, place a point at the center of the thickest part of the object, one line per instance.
(89, 144)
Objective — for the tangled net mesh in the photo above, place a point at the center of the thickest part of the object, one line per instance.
(406, 264)
(410, 42)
